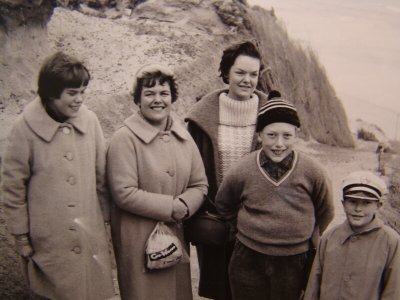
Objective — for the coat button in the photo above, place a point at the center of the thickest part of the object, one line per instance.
(66, 130)
(71, 180)
(77, 250)
(69, 156)
(171, 172)
(166, 138)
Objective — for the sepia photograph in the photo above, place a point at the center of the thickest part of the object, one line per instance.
(199, 149)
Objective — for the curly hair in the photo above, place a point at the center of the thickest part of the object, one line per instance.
(230, 54)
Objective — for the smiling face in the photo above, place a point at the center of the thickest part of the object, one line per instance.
(155, 104)
(278, 140)
(360, 212)
(243, 77)
(68, 104)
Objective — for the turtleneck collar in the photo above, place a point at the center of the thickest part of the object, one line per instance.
(238, 113)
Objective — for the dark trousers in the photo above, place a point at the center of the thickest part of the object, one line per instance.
(256, 276)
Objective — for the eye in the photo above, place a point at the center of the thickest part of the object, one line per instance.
(148, 94)
(254, 74)
(270, 134)
(287, 135)
(165, 94)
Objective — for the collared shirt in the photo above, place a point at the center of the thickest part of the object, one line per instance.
(276, 169)
(362, 265)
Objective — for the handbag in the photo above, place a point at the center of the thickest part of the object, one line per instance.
(206, 227)
(163, 248)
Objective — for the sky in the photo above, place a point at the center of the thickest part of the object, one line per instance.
(358, 43)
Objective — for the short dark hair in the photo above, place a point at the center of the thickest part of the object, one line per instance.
(150, 78)
(230, 54)
(58, 72)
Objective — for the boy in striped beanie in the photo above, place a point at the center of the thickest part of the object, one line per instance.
(359, 259)
(276, 200)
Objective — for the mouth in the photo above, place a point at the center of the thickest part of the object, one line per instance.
(75, 107)
(278, 152)
(157, 108)
(357, 217)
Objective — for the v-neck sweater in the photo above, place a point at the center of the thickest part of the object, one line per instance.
(276, 218)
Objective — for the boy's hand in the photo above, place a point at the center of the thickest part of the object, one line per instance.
(23, 245)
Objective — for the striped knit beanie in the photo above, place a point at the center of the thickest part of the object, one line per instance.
(277, 110)
(356, 184)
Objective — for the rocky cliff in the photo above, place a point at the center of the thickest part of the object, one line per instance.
(114, 37)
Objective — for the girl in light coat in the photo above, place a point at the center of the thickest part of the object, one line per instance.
(155, 174)
(53, 183)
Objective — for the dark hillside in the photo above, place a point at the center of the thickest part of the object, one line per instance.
(297, 73)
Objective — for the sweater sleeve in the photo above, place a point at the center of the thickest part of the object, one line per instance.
(16, 173)
(322, 197)
(123, 179)
(228, 198)
(197, 186)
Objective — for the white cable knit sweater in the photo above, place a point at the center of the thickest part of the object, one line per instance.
(237, 122)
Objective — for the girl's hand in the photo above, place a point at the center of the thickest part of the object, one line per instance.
(179, 210)
(23, 245)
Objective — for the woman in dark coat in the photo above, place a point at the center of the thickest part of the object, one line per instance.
(223, 125)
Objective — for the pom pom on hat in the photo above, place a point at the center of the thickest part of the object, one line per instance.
(277, 110)
(363, 182)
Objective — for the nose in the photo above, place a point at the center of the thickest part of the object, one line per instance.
(157, 98)
(358, 207)
(79, 98)
(246, 78)
(279, 142)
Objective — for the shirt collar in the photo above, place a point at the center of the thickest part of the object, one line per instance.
(285, 164)
(146, 132)
(348, 232)
(44, 126)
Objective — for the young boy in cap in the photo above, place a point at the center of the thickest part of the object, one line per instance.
(359, 259)
(278, 198)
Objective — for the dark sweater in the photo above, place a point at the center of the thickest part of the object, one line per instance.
(276, 218)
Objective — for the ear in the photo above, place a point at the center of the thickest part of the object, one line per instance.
(342, 203)
(259, 140)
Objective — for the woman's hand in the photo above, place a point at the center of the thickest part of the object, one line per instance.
(179, 210)
(23, 245)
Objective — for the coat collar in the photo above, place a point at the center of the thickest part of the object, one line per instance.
(205, 113)
(347, 232)
(45, 127)
(146, 132)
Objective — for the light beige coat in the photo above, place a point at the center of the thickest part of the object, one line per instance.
(53, 187)
(147, 169)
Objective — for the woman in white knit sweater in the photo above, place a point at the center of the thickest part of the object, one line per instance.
(223, 125)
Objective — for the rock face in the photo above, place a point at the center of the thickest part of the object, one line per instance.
(115, 37)
(187, 35)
